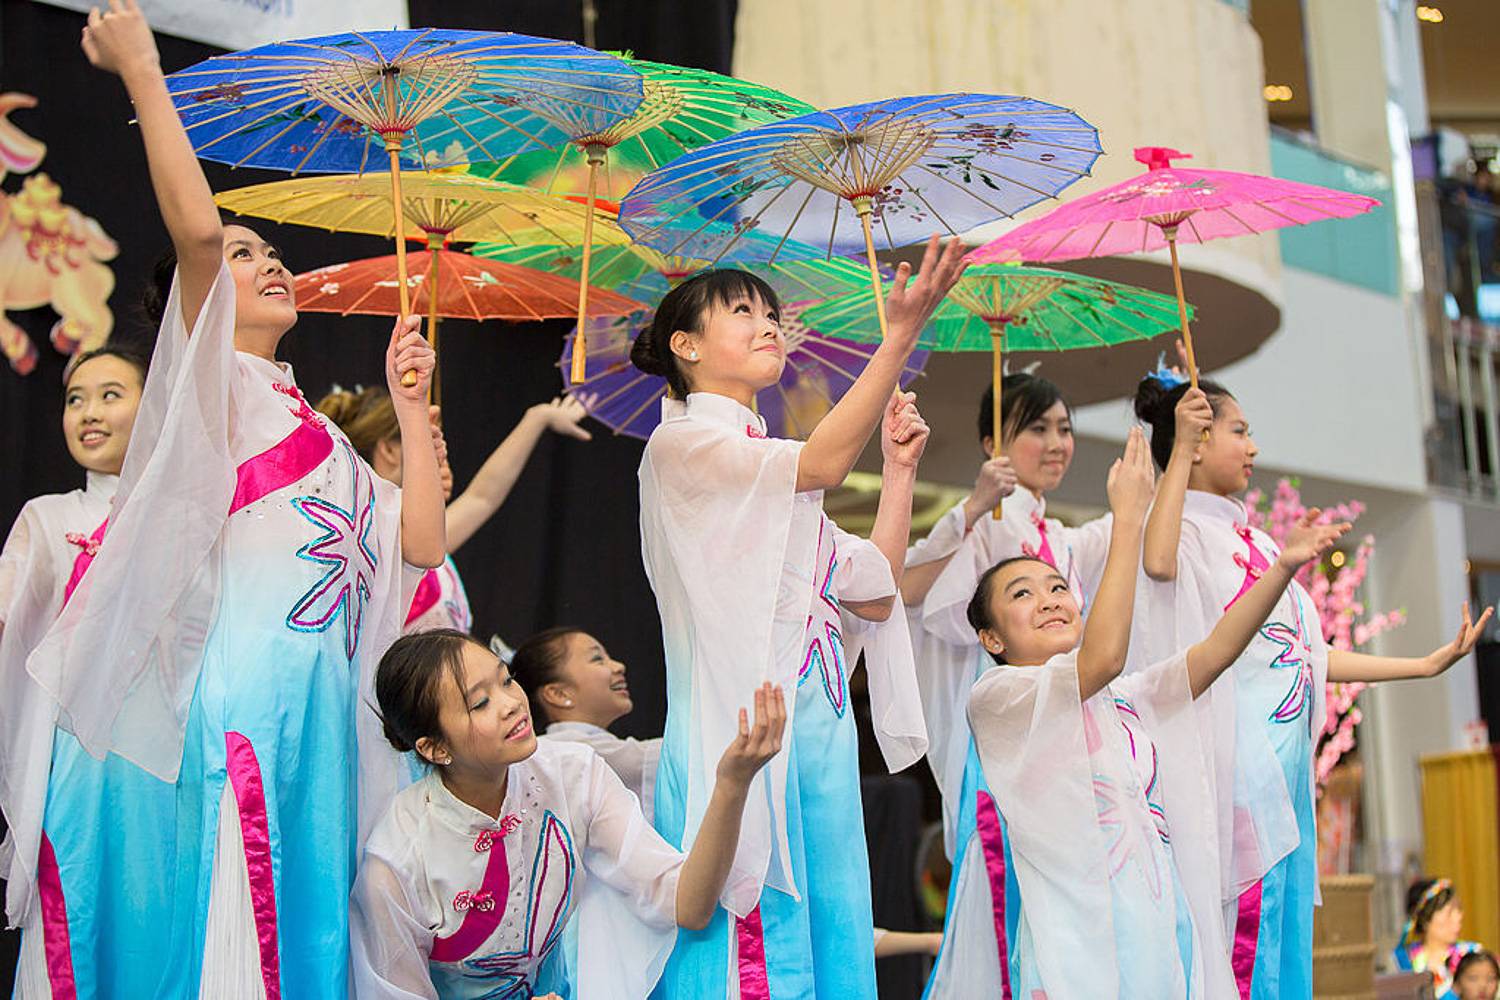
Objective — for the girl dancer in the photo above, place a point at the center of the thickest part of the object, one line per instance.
(577, 690)
(57, 840)
(940, 577)
(1071, 750)
(1266, 719)
(470, 879)
(252, 574)
(753, 583)
(368, 418)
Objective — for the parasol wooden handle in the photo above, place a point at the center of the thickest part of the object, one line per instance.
(595, 153)
(997, 351)
(393, 147)
(863, 207)
(1182, 317)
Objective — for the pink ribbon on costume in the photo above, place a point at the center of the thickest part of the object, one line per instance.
(255, 832)
(480, 920)
(755, 984)
(1246, 939)
(992, 846)
(1044, 550)
(90, 548)
(282, 464)
(1254, 563)
(429, 592)
(56, 945)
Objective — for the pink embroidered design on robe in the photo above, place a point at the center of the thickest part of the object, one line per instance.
(1254, 563)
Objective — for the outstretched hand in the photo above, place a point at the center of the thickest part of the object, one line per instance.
(911, 300)
(562, 416)
(755, 746)
(409, 351)
(903, 432)
(1132, 481)
(1309, 540)
(119, 39)
(1469, 632)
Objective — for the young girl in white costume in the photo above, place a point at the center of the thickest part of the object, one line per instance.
(941, 573)
(369, 420)
(468, 882)
(577, 691)
(1078, 759)
(1265, 719)
(753, 582)
(226, 635)
(56, 887)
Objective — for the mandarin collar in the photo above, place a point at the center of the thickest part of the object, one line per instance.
(279, 370)
(457, 814)
(101, 484)
(1212, 505)
(582, 728)
(1025, 503)
(715, 409)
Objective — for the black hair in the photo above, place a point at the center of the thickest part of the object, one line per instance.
(1473, 958)
(1421, 913)
(978, 611)
(408, 678)
(138, 360)
(1023, 399)
(159, 281)
(1156, 407)
(684, 308)
(537, 662)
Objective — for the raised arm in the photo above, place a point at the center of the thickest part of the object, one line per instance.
(1194, 416)
(712, 854)
(1345, 666)
(903, 435)
(119, 41)
(1233, 632)
(840, 436)
(495, 478)
(422, 542)
(1106, 634)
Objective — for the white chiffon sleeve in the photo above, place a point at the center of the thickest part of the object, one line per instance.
(719, 521)
(30, 589)
(389, 939)
(1029, 730)
(627, 912)
(942, 541)
(123, 671)
(864, 574)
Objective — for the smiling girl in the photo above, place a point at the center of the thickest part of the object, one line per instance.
(1267, 717)
(755, 583)
(58, 833)
(469, 881)
(251, 575)
(1093, 772)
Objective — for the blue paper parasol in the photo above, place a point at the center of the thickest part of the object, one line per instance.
(430, 97)
(899, 168)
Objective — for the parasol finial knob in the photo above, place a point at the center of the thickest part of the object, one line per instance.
(1159, 157)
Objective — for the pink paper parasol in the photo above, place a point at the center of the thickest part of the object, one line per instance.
(1167, 205)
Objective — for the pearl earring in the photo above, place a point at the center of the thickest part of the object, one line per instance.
(693, 356)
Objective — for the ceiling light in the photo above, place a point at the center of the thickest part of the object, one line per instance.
(1431, 15)
(1276, 92)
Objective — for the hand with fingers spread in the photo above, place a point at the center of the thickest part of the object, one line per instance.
(1309, 540)
(1469, 633)
(1131, 481)
(409, 352)
(119, 40)
(755, 745)
(911, 300)
(903, 432)
(562, 416)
